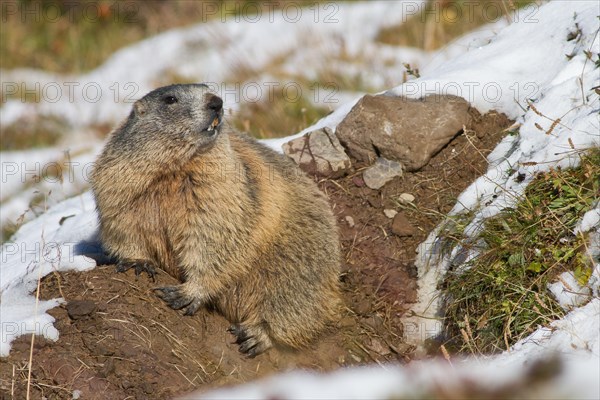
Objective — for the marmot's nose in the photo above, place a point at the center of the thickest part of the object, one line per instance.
(214, 103)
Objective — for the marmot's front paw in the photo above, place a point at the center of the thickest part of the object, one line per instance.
(253, 341)
(139, 265)
(176, 298)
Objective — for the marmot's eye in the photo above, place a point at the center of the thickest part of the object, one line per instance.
(170, 99)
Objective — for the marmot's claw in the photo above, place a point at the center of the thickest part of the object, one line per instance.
(173, 296)
(249, 345)
(193, 307)
(240, 333)
(250, 348)
(139, 265)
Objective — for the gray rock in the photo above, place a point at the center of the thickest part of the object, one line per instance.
(350, 221)
(319, 152)
(381, 172)
(405, 130)
(390, 213)
(406, 198)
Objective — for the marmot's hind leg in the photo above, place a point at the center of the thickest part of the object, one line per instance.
(253, 340)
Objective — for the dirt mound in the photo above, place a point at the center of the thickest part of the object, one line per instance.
(118, 340)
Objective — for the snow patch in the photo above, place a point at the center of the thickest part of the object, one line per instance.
(568, 292)
(64, 238)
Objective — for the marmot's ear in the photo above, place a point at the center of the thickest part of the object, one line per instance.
(139, 108)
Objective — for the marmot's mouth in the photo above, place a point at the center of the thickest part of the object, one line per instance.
(213, 125)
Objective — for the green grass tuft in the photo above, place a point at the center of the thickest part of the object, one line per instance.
(504, 295)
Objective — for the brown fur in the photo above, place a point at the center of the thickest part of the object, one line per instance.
(244, 229)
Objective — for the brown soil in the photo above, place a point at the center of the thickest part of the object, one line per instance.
(118, 340)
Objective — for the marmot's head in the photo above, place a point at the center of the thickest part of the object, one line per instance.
(185, 117)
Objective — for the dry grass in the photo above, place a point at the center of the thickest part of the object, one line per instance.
(282, 115)
(445, 20)
(84, 33)
(32, 133)
(35, 32)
